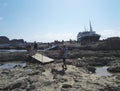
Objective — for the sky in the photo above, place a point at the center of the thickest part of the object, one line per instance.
(49, 20)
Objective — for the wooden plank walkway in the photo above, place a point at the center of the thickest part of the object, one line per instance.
(41, 58)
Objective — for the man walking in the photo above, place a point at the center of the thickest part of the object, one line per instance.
(64, 56)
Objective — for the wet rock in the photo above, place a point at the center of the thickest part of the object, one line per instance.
(114, 69)
(55, 72)
(91, 69)
(110, 88)
(1, 64)
(20, 65)
(17, 66)
(66, 86)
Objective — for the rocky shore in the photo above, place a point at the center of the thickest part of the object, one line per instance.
(51, 77)
(79, 76)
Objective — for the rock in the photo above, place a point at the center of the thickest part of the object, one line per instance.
(114, 62)
(5, 71)
(66, 86)
(114, 69)
(20, 65)
(81, 63)
(40, 68)
(63, 80)
(17, 84)
(4, 40)
(32, 72)
(47, 83)
(31, 87)
(55, 72)
(17, 66)
(112, 43)
(1, 64)
(91, 69)
(110, 88)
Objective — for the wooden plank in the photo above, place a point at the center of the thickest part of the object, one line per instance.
(42, 58)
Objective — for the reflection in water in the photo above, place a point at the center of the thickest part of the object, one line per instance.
(12, 64)
(102, 71)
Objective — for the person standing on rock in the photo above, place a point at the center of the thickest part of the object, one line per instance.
(64, 51)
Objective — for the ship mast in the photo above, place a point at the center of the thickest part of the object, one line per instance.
(90, 27)
(85, 28)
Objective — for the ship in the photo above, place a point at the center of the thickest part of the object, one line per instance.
(87, 37)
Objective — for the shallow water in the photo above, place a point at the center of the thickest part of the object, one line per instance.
(102, 71)
(12, 50)
(13, 64)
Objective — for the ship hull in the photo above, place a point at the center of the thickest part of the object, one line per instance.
(89, 39)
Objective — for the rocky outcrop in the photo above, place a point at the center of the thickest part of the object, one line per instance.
(5, 43)
(114, 69)
(4, 40)
(114, 66)
(17, 41)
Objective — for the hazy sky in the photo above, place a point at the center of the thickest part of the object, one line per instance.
(49, 20)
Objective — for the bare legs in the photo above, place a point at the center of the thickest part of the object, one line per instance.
(64, 64)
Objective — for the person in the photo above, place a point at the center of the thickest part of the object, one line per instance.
(28, 47)
(35, 46)
(64, 56)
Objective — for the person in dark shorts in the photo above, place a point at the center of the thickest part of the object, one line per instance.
(64, 51)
